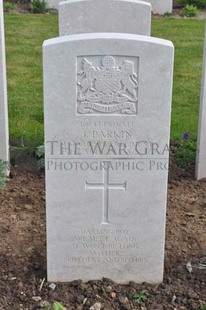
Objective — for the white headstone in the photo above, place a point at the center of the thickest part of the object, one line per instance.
(121, 16)
(4, 137)
(107, 123)
(201, 140)
(161, 6)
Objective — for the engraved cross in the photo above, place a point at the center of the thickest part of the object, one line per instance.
(105, 186)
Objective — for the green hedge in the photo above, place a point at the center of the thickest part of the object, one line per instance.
(198, 3)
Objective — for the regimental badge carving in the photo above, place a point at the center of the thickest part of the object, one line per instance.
(108, 88)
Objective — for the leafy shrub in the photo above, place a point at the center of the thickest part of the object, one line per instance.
(198, 3)
(9, 6)
(53, 11)
(190, 10)
(167, 14)
(3, 167)
(185, 151)
(40, 154)
(56, 306)
(140, 297)
(39, 6)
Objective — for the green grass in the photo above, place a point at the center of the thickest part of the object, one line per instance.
(187, 36)
(24, 37)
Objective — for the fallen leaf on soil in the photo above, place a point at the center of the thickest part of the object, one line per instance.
(96, 306)
(41, 285)
(200, 266)
(190, 214)
(84, 301)
(98, 296)
(189, 267)
(174, 298)
(108, 289)
(52, 286)
(44, 304)
(113, 294)
(36, 298)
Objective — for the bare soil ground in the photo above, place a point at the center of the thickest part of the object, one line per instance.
(23, 252)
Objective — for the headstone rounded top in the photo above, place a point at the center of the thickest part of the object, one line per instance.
(90, 16)
(134, 1)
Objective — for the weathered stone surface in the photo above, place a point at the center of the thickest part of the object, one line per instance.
(4, 137)
(161, 6)
(201, 142)
(107, 121)
(121, 16)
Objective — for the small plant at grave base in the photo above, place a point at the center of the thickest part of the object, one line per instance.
(3, 167)
(39, 6)
(190, 10)
(140, 297)
(40, 154)
(58, 306)
(185, 151)
(9, 6)
(202, 307)
(198, 3)
(167, 14)
(52, 11)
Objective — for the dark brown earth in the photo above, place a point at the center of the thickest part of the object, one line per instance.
(23, 252)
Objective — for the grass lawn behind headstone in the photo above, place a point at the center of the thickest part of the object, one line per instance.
(187, 36)
(24, 37)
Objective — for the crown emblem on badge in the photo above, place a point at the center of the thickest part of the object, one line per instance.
(107, 89)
